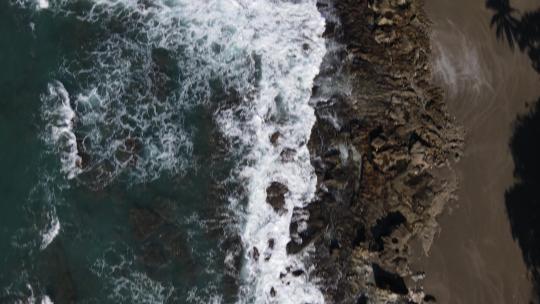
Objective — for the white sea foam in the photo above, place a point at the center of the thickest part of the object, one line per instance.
(50, 232)
(59, 116)
(138, 85)
(193, 296)
(267, 51)
(34, 4)
(31, 299)
(123, 284)
(43, 4)
(290, 46)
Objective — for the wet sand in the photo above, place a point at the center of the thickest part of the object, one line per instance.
(474, 258)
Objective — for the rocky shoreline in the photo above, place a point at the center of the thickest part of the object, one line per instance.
(382, 153)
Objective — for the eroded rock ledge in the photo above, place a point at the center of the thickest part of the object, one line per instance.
(380, 154)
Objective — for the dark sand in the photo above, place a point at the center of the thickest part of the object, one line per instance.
(474, 258)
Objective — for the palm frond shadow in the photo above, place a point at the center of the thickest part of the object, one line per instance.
(522, 30)
(523, 197)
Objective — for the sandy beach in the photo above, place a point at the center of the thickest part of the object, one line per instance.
(474, 258)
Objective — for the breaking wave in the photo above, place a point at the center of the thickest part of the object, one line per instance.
(291, 50)
(51, 231)
(59, 115)
(121, 108)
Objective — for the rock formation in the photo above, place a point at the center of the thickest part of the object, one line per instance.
(382, 155)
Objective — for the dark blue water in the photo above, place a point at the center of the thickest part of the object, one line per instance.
(136, 149)
(129, 239)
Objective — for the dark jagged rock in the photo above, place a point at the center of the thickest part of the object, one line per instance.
(377, 152)
(384, 227)
(271, 243)
(334, 246)
(429, 299)
(288, 154)
(293, 247)
(255, 254)
(362, 299)
(360, 236)
(84, 157)
(275, 196)
(302, 238)
(389, 281)
(274, 138)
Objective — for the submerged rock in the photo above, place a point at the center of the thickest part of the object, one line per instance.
(145, 222)
(160, 240)
(53, 269)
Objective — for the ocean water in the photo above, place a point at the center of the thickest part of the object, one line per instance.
(136, 149)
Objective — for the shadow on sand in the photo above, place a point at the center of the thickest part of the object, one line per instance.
(523, 198)
(519, 29)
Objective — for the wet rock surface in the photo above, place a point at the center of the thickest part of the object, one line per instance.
(381, 154)
(275, 196)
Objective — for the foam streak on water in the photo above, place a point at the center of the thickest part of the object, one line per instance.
(125, 285)
(51, 231)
